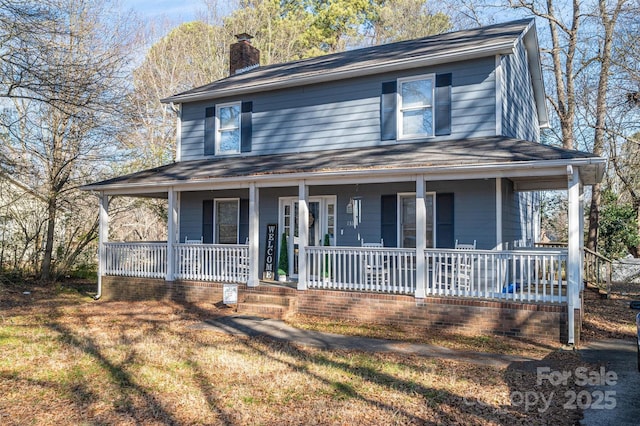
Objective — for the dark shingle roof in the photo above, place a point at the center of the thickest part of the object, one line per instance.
(447, 47)
(424, 155)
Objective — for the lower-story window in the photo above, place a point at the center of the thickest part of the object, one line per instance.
(227, 218)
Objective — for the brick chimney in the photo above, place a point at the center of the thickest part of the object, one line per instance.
(243, 56)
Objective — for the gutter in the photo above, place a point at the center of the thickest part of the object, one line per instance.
(451, 172)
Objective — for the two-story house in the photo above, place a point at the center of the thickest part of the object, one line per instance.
(404, 178)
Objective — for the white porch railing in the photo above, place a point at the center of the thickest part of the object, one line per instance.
(204, 262)
(383, 270)
(532, 275)
(145, 260)
(212, 262)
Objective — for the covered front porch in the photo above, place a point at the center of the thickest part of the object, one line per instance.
(331, 209)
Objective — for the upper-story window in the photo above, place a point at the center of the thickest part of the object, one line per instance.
(416, 101)
(228, 133)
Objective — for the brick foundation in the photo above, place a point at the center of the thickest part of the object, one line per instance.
(134, 289)
(525, 320)
(541, 322)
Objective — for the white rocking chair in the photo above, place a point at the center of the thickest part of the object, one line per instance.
(375, 267)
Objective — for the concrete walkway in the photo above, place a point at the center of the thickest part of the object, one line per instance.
(278, 330)
(621, 403)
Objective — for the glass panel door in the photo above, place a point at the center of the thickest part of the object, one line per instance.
(408, 221)
(321, 222)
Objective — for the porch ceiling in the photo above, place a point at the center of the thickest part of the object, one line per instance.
(524, 162)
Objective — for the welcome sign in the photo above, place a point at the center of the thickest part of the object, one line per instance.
(270, 252)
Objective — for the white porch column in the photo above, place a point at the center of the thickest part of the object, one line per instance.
(303, 233)
(172, 229)
(103, 237)
(421, 237)
(254, 236)
(574, 265)
(499, 242)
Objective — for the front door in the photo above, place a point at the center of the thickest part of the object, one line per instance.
(321, 223)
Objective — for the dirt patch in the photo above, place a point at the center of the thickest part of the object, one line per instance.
(611, 318)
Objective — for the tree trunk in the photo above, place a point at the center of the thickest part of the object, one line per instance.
(608, 22)
(45, 273)
(635, 251)
(594, 219)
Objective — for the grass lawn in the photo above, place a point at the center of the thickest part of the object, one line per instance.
(67, 359)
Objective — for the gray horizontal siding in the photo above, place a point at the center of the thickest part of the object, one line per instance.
(474, 210)
(346, 113)
(519, 115)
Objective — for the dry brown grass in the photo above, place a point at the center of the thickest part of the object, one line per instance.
(67, 359)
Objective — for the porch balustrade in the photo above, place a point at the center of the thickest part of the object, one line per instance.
(212, 262)
(204, 262)
(143, 260)
(531, 275)
(522, 275)
(384, 270)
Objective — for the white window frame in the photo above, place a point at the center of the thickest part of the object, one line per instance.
(219, 130)
(402, 195)
(401, 109)
(216, 232)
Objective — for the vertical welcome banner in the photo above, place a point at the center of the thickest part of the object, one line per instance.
(270, 252)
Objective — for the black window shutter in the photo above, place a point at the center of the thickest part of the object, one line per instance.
(243, 231)
(207, 221)
(443, 105)
(388, 111)
(444, 221)
(389, 220)
(210, 131)
(246, 131)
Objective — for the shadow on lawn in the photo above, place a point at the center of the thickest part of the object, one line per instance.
(119, 376)
(435, 397)
(445, 405)
(129, 392)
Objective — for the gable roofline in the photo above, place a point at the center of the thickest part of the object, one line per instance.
(530, 42)
(500, 39)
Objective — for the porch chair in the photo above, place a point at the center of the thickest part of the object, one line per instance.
(190, 262)
(243, 262)
(462, 246)
(462, 266)
(375, 266)
(188, 241)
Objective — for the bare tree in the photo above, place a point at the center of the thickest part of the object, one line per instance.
(62, 135)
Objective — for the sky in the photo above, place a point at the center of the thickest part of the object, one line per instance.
(174, 10)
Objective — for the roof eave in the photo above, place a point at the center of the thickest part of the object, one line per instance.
(398, 65)
(594, 164)
(530, 39)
